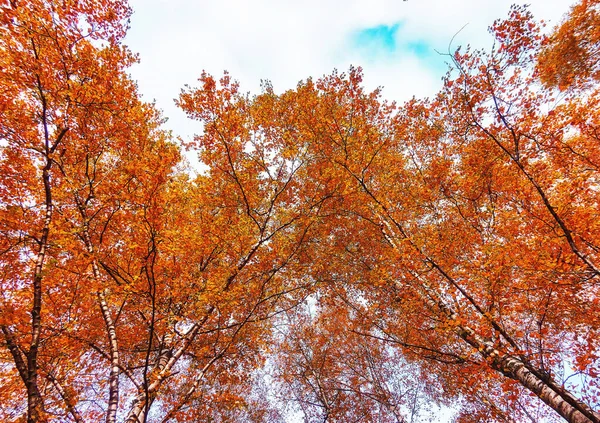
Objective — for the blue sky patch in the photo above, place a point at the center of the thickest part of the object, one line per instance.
(387, 42)
(419, 48)
(380, 37)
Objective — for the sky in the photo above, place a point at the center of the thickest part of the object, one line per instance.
(395, 42)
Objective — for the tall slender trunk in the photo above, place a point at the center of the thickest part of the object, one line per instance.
(35, 403)
(113, 379)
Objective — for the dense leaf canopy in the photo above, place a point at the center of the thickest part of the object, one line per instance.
(341, 258)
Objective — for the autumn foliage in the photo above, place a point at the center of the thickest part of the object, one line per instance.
(342, 258)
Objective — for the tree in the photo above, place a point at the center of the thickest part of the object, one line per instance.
(482, 160)
(55, 88)
(485, 161)
(329, 371)
(131, 271)
(499, 299)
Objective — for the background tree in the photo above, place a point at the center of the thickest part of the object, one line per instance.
(327, 370)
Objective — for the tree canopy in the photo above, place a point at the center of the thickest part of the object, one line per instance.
(342, 258)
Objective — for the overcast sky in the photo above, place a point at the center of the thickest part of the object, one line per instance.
(286, 41)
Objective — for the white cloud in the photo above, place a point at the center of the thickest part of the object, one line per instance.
(286, 41)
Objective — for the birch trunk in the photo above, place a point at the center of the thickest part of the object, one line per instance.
(113, 379)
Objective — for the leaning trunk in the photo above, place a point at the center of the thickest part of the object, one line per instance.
(516, 370)
(556, 398)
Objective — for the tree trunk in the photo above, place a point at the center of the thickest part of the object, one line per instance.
(548, 391)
